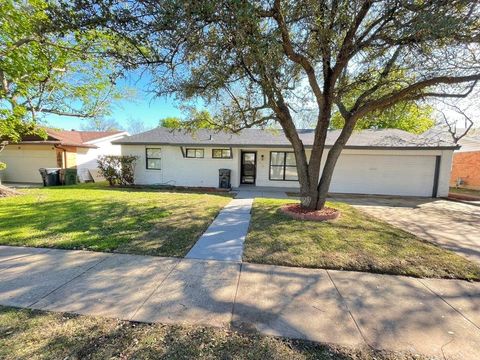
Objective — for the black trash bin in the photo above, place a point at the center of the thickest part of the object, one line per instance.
(224, 178)
(50, 176)
(69, 176)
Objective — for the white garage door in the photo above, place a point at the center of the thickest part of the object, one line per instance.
(384, 175)
(23, 163)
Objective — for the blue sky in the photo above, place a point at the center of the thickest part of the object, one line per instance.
(143, 106)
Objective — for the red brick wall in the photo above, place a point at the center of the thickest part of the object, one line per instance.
(466, 165)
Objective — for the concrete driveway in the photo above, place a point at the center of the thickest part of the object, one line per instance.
(453, 225)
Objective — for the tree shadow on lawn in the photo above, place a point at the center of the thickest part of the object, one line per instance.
(356, 242)
(145, 228)
(68, 335)
(103, 186)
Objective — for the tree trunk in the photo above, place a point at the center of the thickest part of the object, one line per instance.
(331, 161)
(314, 196)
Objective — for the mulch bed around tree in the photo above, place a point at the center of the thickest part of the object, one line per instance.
(297, 212)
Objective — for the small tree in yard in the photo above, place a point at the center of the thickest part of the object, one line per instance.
(258, 62)
(118, 170)
(46, 71)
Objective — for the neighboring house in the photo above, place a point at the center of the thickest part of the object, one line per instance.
(387, 162)
(466, 163)
(61, 149)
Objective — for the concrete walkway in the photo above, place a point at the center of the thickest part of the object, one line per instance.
(440, 318)
(225, 236)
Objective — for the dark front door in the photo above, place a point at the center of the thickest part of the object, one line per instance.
(248, 171)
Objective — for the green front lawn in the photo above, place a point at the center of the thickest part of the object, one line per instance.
(27, 334)
(355, 241)
(96, 217)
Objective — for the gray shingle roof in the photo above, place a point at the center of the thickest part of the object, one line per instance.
(387, 138)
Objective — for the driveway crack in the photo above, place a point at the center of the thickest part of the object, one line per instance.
(446, 302)
(349, 311)
(69, 281)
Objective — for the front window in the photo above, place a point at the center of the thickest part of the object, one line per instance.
(154, 158)
(222, 153)
(283, 166)
(194, 153)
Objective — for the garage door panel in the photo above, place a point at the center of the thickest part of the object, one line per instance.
(23, 164)
(384, 175)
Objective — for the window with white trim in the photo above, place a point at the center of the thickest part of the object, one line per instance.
(154, 158)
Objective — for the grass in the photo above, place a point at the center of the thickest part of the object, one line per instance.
(465, 191)
(29, 334)
(96, 217)
(355, 241)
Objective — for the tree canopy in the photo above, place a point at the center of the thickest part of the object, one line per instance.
(409, 117)
(196, 119)
(47, 71)
(170, 122)
(257, 62)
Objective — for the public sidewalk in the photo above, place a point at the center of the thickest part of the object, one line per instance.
(435, 317)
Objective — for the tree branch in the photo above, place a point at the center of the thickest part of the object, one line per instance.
(345, 52)
(297, 57)
(412, 92)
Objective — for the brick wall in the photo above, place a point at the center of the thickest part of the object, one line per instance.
(466, 165)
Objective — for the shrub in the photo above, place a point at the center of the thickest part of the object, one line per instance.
(118, 170)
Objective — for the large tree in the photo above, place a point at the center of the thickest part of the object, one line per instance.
(408, 116)
(45, 71)
(256, 62)
(195, 119)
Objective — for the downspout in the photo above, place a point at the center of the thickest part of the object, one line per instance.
(436, 179)
(64, 155)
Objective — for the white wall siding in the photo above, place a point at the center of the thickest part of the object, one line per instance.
(179, 171)
(87, 157)
(445, 171)
(383, 172)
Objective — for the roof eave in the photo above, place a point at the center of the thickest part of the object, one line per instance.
(365, 147)
(123, 133)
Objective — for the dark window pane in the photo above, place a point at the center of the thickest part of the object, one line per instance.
(277, 158)
(290, 160)
(153, 164)
(221, 153)
(276, 172)
(291, 173)
(248, 158)
(194, 153)
(154, 153)
(227, 153)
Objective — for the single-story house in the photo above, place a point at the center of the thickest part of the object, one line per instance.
(386, 162)
(466, 163)
(61, 149)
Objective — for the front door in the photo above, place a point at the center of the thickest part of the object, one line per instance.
(248, 171)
